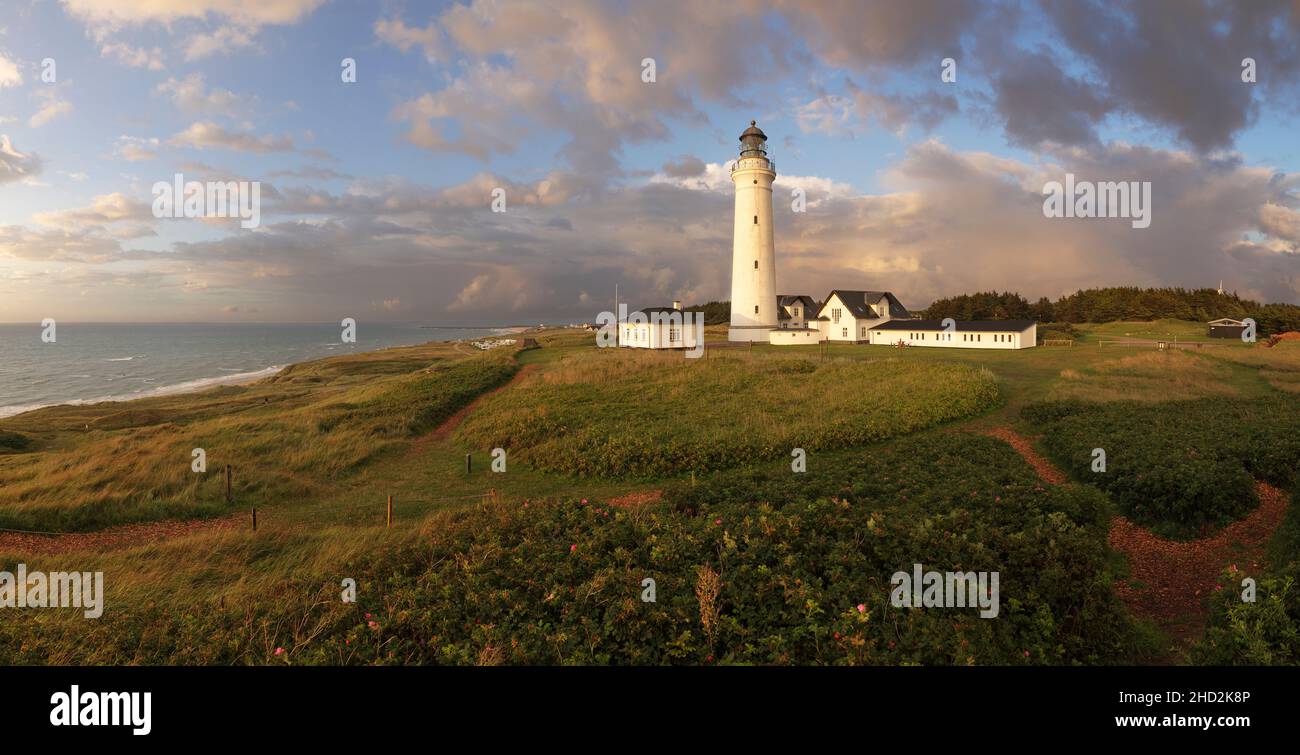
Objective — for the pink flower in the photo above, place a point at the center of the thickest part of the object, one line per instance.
(717, 521)
(373, 624)
(573, 547)
(862, 608)
(584, 501)
(1026, 653)
(279, 651)
(367, 616)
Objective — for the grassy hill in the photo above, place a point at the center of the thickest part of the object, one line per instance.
(753, 563)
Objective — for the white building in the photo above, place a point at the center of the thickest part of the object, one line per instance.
(969, 334)
(659, 328)
(850, 315)
(753, 250)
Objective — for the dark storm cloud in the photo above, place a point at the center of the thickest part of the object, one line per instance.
(1177, 63)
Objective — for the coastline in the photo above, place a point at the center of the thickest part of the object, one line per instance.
(200, 383)
(187, 386)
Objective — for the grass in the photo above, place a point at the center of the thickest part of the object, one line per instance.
(652, 415)
(1155, 330)
(292, 436)
(321, 446)
(1147, 376)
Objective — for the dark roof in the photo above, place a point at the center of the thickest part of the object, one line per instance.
(753, 130)
(857, 302)
(968, 326)
(786, 300)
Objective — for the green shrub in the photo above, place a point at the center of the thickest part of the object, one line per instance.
(1182, 467)
(11, 442)
(1267, 630)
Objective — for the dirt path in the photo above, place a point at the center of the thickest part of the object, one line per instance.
(1170, 579)
(125, 536)
(444, 430)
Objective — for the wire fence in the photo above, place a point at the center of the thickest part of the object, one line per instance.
(491, 496)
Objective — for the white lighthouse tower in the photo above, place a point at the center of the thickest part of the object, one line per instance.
(753, 251)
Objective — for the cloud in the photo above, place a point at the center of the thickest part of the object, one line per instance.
(191, 96)
(103, 210)
(135, 149)
(687, 166)
(396, 33)
(10, 74)
(135, 57)
(224, 39)
(208, 135)
(114, 14)
(314, 172)
(14, 165)
(1178, 64)
(52, 107)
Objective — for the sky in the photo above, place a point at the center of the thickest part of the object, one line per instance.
(607, 128)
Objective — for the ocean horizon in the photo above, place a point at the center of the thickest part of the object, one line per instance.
(90, 363)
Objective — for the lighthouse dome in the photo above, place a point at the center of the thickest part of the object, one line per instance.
(753, 132)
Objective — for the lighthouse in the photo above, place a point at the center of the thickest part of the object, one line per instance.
(753, 250)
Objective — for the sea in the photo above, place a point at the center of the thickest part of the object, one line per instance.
(94, 362)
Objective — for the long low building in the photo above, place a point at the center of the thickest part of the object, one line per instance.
(969, 334)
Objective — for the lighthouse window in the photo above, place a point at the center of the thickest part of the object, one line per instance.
(755, 220)
(756, 306)
(755, 264)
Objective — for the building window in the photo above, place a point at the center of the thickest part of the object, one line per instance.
(755, 220)
(674, 335)
(835, 315)
(755, 309)
(844, 332)
(796, 311)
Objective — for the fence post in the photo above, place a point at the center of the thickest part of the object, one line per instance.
(390, 511)
(229, 474)
(253, 511)
(469, 463)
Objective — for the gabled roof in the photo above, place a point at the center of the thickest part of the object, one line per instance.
(1226, 321)
(786, 300)
(860, 303)
(966, 326)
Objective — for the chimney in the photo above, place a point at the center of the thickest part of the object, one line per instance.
(677, 304)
